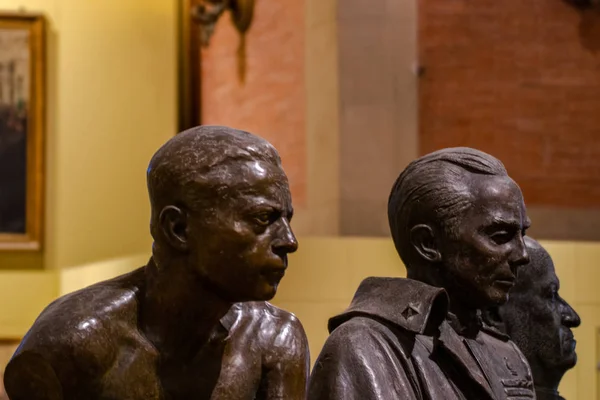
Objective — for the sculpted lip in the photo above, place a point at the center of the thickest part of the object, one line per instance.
(274, 274)
(506, 281)
(570, 340)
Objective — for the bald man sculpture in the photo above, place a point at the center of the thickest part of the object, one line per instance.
(457, 220)
(193, 323)
(539, 321)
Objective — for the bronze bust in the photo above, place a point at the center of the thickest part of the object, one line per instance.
(194, 322)
(457, 220)
(539, 321)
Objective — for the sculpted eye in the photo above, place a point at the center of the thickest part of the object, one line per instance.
(552, 294)
(501, 237)
(263, 219)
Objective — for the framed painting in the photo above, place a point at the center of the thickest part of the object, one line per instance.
(22, 125)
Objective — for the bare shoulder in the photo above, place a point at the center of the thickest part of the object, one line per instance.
(281, 333)
(80, 331)
(266, 315)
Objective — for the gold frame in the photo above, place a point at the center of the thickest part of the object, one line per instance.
(32, 238)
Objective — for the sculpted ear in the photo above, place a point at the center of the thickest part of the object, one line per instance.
(173, 224)
(422, 238)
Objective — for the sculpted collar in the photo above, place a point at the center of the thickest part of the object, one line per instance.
(412, 305)
(468, 327)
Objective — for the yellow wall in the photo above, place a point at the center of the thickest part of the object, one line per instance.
(320, 215)
(71, 279)
(23, 295)
(111, 103)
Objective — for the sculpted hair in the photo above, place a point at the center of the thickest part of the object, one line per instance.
(433, 189)
(197, 165)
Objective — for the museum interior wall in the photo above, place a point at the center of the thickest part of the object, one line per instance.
(336, 89)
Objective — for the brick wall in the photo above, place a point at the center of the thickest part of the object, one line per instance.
(521, 80)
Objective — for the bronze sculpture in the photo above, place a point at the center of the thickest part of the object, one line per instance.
(539, 321)
(458, 221)
(194, 322)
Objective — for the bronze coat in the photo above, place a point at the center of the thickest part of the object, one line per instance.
(395, 342)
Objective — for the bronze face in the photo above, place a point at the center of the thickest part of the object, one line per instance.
(482, 257)
(242, 244)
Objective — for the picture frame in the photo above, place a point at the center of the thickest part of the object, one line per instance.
(22, 130)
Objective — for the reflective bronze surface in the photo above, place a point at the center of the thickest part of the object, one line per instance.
(540, 321)
(177, 328)
(458, 222)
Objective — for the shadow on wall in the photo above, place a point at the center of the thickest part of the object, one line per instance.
(589, 28)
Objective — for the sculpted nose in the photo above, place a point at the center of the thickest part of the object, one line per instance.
(570, 318)
(520, 255)
(286, 241)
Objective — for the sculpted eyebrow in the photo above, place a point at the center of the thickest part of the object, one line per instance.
(499, 222)
(263, 207)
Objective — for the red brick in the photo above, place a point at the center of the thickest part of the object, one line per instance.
(519, 80)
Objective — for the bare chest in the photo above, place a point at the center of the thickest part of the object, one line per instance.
(223, 370)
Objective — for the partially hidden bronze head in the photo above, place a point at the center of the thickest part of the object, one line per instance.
(539, 320)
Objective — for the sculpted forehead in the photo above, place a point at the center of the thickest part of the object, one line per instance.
(205, 147)
(207, 158)
(251, 176)
(246, 183)
(499, 197)
(496, 188)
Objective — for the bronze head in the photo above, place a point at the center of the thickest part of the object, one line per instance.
(458, 220)
(538, 320)
(221, 200)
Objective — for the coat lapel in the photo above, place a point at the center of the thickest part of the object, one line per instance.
(455, 346)
(483, 362)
